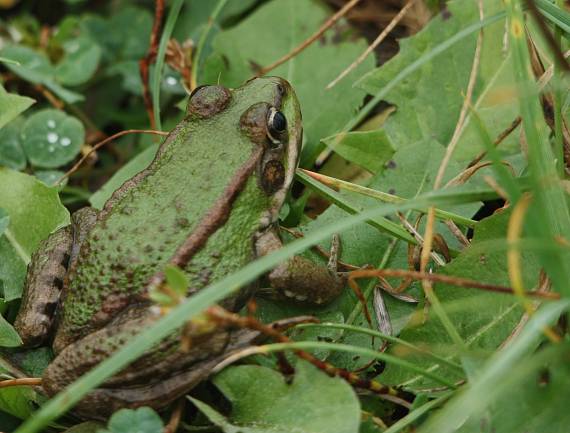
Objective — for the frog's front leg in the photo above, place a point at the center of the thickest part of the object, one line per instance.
(46, 275)
(298, 277)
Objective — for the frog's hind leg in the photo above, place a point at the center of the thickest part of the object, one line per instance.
(156, 379)
(46, 275)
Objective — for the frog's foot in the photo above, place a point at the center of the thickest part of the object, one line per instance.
(156, 379)
(301, 279)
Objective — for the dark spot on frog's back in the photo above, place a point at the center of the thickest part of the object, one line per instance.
(206, 101)
(182, 223)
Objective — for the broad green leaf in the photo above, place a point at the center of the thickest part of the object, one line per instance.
(262, 401)
(11, 105)
(123, 36)
(35, 211)
(369, 149)
(142, 420)
(238, 49)
(51, 138)
(35, 67)
(138, 163)
(194, 16)
(428, 110)
(8, 335)
(32, 361)
(533, 398)
(503, 373)
(11, 153)
(4, 220)
(50, 177)
(483, 319)
(79, 63)
(130, 75)
(17, 401)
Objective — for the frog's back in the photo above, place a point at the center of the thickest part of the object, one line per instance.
(150, 216)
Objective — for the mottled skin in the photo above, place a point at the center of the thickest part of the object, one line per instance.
(113, 254)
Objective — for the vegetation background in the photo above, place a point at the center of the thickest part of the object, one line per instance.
(442, 160)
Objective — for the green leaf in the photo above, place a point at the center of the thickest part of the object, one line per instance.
(142, 420)
(425, 110)
(176, 279)
(510, 366)
(130, 75)
(35, 211)
(11, 106)
(32, 361)
(35, 67)
(195, 14)
(17, 401)
(262, 401)
(52, 138)
(138, 163)
(8, 335)
(80, 62)
(124, 36)
(50, 177)
(483, 319)
(237, 49)
(533, 398)
(4, 220)
(369, 149)
(11, 153)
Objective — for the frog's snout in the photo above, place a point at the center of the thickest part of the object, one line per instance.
(207, 101)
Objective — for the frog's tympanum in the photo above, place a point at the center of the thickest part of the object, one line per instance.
(86, 289)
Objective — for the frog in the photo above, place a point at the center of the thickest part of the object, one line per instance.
(209, 203)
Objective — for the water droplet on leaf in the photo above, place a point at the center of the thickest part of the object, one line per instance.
(52, 137)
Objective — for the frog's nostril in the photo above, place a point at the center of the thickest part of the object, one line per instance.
(206, 101)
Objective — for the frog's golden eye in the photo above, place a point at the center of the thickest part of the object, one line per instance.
(276, 125)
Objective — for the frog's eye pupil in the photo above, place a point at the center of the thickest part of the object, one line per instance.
(276, 125)
(279, 123)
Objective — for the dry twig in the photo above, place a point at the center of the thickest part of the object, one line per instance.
(327, 25)
(145, 62)
(374, 44)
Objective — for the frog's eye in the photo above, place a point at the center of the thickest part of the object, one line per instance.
(276, 125)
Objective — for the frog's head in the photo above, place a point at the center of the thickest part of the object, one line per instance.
(267, 113)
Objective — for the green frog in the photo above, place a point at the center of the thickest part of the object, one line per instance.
(209, 203)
